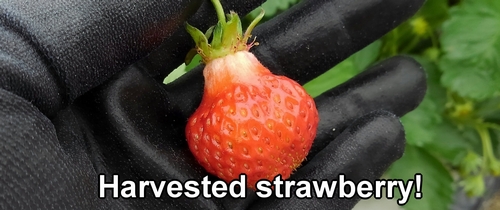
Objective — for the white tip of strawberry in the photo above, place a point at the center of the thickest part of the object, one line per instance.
(239, 67)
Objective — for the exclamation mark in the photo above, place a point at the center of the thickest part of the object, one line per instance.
(418, 186)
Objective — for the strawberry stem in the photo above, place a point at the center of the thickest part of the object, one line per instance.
(219, 10)
(227, 36)
(490, 163)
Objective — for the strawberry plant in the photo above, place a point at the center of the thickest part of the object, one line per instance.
(453, 137)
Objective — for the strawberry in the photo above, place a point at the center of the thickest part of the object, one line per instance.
(249, 121)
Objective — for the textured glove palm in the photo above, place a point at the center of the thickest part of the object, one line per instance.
(81, 95)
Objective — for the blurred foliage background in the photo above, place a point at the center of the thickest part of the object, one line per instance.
(453, 137)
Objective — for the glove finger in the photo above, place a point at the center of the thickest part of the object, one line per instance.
(57, 50)
(362, 152)
(37, 171)
(396, 85)
(140, 136)
(305, 36)
(315, 35)
(163, 60)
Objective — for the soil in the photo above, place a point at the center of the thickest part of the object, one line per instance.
(493, 203)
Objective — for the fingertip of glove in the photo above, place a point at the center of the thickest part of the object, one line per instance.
(397, 84)
(370, 143)
(363, 151)
(414, 70)
(379, 130)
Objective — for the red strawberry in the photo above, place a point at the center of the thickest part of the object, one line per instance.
(249, 121)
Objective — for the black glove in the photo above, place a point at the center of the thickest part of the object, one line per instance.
(81, 95)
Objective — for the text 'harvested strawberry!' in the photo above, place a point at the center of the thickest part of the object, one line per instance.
(249, 121)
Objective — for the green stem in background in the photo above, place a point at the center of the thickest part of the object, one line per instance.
(485, 143)
(489, 160)
(434, 39)
(450, 101)
(492, 126)
(219, 10)
(412, 44)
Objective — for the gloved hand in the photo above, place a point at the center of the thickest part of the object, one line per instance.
(81, 95)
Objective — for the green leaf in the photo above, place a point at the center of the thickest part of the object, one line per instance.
(448, 144)
(472, 137)
(474, 185)
(470, 78)
(209, 32)
(426, 126)
(471, 45)
(366, 56)
(471, 163)
(199, 37)
(343, 71)
(182, 69)
(434, 12)
(230, 30)
(331, 78)
(217, 33)
(418, 33)
(194, 63)
(190, 55)
(420, 124)
(272, 7)
(176, 73)
(489, 110)
(437, 182)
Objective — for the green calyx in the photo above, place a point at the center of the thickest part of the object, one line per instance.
(227, 36)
